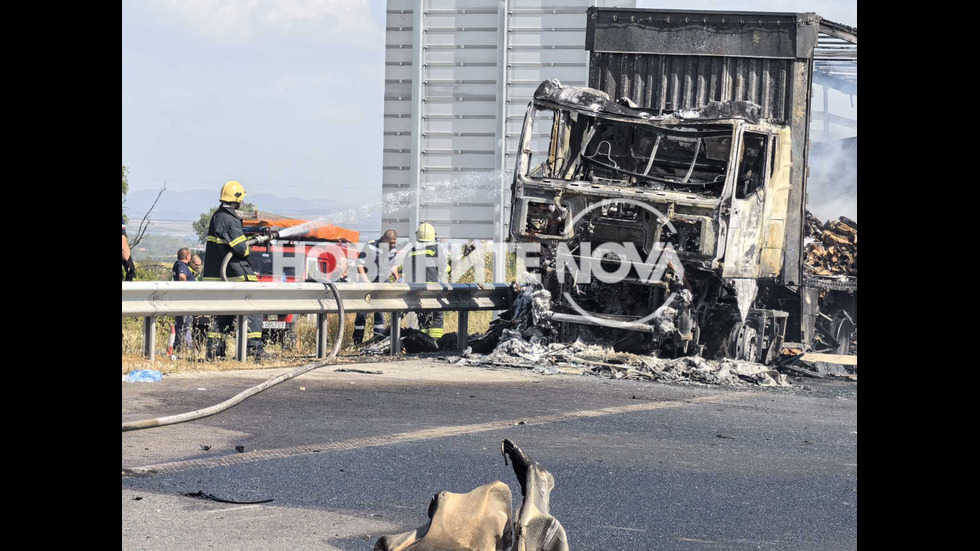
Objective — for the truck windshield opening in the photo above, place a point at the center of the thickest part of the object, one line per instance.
(569, 145)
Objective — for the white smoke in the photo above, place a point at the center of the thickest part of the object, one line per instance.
(832, 185)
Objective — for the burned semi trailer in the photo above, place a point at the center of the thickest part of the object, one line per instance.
(666, 202)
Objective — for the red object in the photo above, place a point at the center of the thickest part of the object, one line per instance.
(170, 342)
(321, 249)
(323, 232)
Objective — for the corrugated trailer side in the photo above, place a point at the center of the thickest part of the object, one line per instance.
(666, 60)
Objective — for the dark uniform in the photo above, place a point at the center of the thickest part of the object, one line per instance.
(201, 323)
(425, 263)
(182, 324)
(129, 266)
(224, 235)
(371, 259)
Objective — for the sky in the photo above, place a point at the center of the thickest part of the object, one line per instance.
(285, 96)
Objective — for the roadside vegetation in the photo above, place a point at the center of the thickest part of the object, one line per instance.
(305, 330)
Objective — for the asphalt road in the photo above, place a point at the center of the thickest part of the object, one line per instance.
(347, 457)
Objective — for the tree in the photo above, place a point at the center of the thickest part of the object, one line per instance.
(145, 223)
(202, 224)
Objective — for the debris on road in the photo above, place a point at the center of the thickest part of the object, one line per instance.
(478, 519)
(604, 361)
(483, 519)
(142, 376)
(803, 364)
(523, 338)
(200, 494)
(365, 371)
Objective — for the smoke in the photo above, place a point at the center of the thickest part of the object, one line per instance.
(832, 185)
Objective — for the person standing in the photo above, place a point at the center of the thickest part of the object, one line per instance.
(183, 324)
(225, 235)
(373, 266)
(201, 323)
(127, 256)
(195, 267)
(425, 262)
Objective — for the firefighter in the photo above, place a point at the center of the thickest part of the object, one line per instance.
(425, 262)
(373, 265)
(224, 235)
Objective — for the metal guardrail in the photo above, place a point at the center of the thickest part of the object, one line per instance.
(165, 298)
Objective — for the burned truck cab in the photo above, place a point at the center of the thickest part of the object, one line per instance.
(648, 225)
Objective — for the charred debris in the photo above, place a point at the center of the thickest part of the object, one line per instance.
(701, 195)
(483, 517)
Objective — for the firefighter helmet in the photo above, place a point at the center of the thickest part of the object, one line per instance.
(425, 233)
(232, 192)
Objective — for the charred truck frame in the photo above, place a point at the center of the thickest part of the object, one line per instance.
(690, 148)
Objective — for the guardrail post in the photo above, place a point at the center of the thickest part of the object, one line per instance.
(241, 344)
(396, 333)
(321, 336)
(462, 330)
(149, 337)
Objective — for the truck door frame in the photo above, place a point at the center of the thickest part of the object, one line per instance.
(745, 233)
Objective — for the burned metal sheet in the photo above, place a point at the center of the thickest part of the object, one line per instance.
(477, 520)
(482, 520)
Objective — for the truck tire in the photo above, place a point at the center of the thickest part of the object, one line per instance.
(743, 344)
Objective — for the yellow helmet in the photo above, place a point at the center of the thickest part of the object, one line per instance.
(425, 233)
(232, 192)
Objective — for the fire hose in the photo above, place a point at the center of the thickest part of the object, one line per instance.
(238, 398)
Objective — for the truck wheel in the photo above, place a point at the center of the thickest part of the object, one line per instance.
(743, 343)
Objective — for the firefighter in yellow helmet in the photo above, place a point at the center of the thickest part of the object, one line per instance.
(426, 262)
(225, 234)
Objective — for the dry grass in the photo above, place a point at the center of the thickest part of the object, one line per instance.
(132, 338)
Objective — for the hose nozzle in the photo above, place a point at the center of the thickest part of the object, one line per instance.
(259, 239)
(249, 242)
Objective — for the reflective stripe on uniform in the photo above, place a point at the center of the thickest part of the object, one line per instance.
(236, 240)
(217, 240)
(435, 333)
(255, 334)
(214, 335)
(236, 278)
(426, 252)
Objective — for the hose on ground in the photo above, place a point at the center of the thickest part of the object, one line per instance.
(238, 398)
